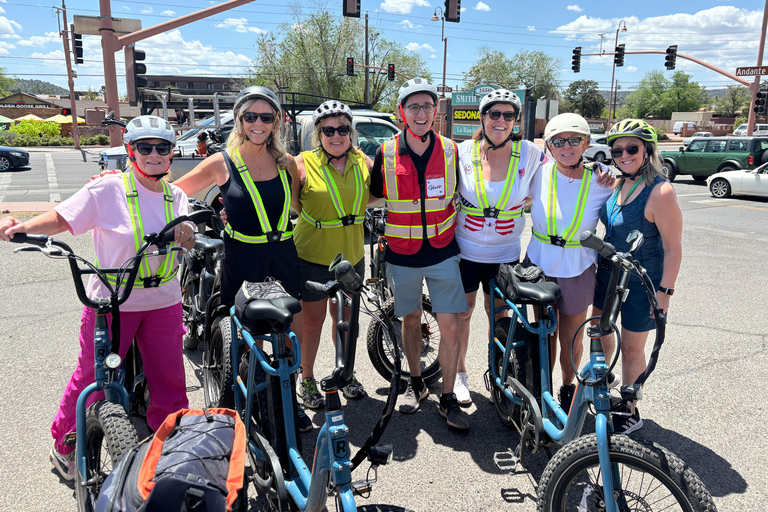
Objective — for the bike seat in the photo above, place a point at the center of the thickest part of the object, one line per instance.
(207, 244)
(543, 292)
(262, 316)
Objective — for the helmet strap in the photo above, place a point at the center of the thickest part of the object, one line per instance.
(155, 177)
(331, 157)
(422, 138)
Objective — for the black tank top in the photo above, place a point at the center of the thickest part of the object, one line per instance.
(240, 210)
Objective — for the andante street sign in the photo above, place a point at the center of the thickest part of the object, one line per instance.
(752, 71)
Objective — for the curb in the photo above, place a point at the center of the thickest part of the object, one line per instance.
(29, 207)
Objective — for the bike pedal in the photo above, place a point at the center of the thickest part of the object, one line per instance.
(70, 439)
(361, 488)
(506, 461)
(487, 380)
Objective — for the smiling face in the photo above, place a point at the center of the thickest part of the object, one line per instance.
(630, 164)
(498, 130)
(420, 122)
(258, 131)
(336, 144)
(153, 163)
(567, 155)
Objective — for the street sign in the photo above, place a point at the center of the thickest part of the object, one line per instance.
(90, 25)
(443, 88)
(752, 71)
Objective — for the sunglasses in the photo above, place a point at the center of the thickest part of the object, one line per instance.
(414, 109)
(145, 148)
(251, 117)
(631, 150)
(508, 116)
(328, 131)
(573, 141)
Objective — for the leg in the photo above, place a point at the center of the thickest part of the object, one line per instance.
(449, 348)
(632, 354)
(568, 326)
(411, 334)
(314, 318)
(463, 330)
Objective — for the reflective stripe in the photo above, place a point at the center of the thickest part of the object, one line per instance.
(485, 210)
(552, 236)
(338, 204)
(390, 164)
(166, 272)
(396, 231)
(281, 233)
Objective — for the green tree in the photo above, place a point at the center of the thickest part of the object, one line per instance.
(737, 99)
(6, 83)
(583, 98)
(646, 99)
(657, 96)
(682, 95)
(535, 70)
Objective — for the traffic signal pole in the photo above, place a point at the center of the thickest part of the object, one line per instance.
(756, 85)
(70, 81)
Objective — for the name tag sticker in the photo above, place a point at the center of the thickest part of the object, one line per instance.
(435, 187)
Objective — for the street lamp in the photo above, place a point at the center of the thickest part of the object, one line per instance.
(610, 102)
(445, 42)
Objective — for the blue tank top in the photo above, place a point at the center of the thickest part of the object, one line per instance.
(627, 218)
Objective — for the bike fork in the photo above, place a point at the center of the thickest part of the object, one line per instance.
(607, 469)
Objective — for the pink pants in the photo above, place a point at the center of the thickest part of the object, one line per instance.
(159, 334)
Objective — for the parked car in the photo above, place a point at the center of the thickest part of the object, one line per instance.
(709, 155)
(677, 128)
(747, 182)
(598, 150)
(697, 134)
(760, 129)
(12, 158)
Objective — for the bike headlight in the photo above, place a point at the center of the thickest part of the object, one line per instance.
(113, 361)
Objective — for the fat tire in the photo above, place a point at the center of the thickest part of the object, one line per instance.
(378, 354)
(107, 425)
(218, 376)
(187, 280)
(650, 459)
(517, 370)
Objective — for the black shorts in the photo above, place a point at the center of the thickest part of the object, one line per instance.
(474, 273)
(321, 274)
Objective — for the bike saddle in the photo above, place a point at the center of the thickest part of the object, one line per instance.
(265, 307)
(542, 292)
(207, 244)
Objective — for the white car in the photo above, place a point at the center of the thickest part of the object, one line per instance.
(697, 134)
(760, 129)
(742, 182)
(598, 151)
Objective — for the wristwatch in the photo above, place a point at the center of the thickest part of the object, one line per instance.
(668, 291)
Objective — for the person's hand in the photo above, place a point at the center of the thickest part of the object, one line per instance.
(604, 178)
(105, 173)
(183, 233)
(663, 300)
(223, 213)
(10, 226)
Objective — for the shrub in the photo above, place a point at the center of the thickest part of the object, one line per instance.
(739, 121)
(660, 135)
(36, 128)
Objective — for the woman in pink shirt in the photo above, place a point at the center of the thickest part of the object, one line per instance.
(152, 315)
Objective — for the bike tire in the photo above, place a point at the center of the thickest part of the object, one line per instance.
(187, 280)
(572, 479)
(380, 352)
(218, 377)
(508, 411)
(109, 435)
(260, 410)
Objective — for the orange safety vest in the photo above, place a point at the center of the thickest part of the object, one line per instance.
(405, 230)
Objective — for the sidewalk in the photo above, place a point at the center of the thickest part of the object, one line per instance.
(24, 207)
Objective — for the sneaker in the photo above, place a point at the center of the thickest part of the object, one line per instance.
(613, 380)
(354, 390)
(309, 394)
(461, 389)
(64, 464)
(565, 396)
(305, 424)
(409, 402)
(452, 412)
(625, 422)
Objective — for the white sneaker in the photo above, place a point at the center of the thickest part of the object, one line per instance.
(461, 389)
(64, 464)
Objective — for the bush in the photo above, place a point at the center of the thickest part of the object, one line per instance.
(660, 135)
(7, 138)
(739, 121)
(96, 140)
(36, 128)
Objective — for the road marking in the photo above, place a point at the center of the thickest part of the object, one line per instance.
(5, 182)
(687, 195)
(53, 183)
(706, 201)
(747, 207)
(724, 201)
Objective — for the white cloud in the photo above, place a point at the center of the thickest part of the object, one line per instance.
(433, 56)
(239, 25)
(2, 10)
(630, 69)
(531, 27)
(482, 7)
(168, 13)
(126, 7)
(8, 28)
(402, 6)
(39, 41)
(4, 47)
(406, 24)
(415, 47)
(463, 9)
(575, 8)
(147, 10)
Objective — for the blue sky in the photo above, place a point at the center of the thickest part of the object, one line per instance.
(725, 33)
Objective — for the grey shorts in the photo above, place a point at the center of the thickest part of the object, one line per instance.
(576, 293)
(321, 274)
(443, 283)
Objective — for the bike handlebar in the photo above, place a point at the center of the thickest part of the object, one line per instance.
(592, 241)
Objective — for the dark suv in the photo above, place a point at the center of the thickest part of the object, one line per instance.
(706, 156)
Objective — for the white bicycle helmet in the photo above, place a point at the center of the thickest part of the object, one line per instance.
(503, 96)
(256, 92)
(566, 123)
(413, 86)
(149, 127)
(331, 108)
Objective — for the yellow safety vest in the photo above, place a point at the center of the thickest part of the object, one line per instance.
(343, 220)
(552, 237)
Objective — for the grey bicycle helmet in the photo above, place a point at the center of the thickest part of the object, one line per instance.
(503, 96)
(256, 92)
(331, 108)
(413, 86)
(149, 127)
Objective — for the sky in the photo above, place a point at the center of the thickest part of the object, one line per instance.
(724, 33)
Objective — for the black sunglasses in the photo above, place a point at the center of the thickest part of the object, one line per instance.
(573, 141)
(631, 150)
(328, 131)
(145, 148)
(251, 117)
(508, 116)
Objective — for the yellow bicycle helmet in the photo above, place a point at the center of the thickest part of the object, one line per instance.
(632, 128)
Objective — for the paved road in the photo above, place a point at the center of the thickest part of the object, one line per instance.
(699, 402)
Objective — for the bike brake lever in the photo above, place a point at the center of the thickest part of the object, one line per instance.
(28, 248)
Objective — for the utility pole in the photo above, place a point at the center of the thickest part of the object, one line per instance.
(367, 78)
(64, 33)
(756, 85)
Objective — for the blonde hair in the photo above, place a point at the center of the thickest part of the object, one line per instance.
(317, 130)
(275, 145)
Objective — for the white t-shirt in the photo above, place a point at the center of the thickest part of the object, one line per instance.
(554, 260)
(101, 206)
(489, 240)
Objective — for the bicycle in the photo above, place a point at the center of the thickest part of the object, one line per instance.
(265, 396)
(644, 475)
(380, 346)
(106, 423)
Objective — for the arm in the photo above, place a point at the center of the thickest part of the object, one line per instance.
(206, 173)
(664, 210)
(372, 200)
(296, 182)
(49, 223)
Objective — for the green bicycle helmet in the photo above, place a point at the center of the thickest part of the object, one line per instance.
(632, 128)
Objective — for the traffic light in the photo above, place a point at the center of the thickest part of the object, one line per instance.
(576, 64)
(134, 73)
(669, 60)
(351, 8)
(618, 59)
(350, 66)
(452, 10)
(77, 46)
(760, 102)
(66, 111)
(391, 72)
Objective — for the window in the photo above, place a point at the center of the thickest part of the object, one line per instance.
(716, 146)
(190, 85)
(697, 146)
(155, 84)
(174, 84)
(371, 135)
(209, 86)
(738, 145)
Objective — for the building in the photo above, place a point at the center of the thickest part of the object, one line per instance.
(195, 84)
